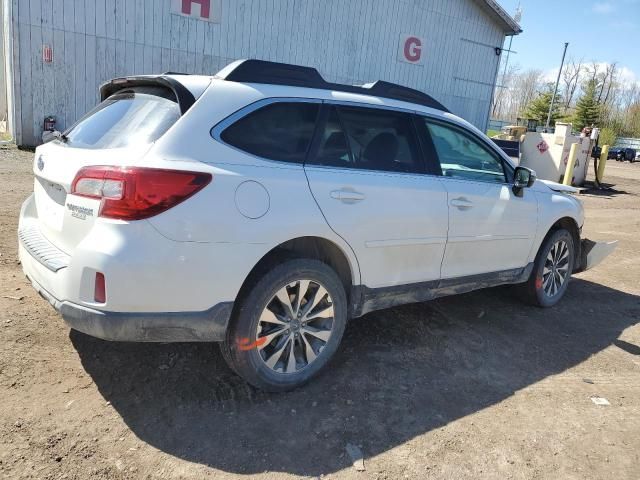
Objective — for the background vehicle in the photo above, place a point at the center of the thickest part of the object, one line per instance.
(626, 154)
(622, 153)
(613, 153)
(264, 207)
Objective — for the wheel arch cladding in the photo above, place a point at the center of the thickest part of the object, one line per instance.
(571, 226)
(317, 248)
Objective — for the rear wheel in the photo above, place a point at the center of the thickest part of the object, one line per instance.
(288, 326)
(551, 270)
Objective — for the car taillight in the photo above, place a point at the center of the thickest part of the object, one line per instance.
(134, 193)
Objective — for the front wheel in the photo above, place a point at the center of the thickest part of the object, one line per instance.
(288, 326)
(551, 270)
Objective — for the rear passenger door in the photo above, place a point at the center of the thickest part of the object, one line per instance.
(366, 173)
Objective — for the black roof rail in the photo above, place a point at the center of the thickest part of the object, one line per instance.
(274, 73)
(175, 73)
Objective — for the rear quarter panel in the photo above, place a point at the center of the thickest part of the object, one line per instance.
(286, 210)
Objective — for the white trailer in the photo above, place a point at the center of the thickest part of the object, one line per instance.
(548, 154)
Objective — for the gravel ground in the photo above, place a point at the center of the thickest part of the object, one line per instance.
(468, 387)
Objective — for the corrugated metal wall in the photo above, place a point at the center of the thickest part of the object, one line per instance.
(348, 41)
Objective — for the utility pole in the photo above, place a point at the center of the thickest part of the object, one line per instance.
(555, 90)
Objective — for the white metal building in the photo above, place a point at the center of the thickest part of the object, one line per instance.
(57, 52)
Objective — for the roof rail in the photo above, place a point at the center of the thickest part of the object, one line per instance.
(274, 73)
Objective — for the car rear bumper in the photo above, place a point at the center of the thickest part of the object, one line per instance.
(206, 326)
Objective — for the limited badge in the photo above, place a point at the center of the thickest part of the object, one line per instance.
(80, 212)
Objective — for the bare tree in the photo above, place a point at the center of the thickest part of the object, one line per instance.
(571, 78)
(515, 92)
(608, 79)
(592, 71)
(503, 90)
(526, 87)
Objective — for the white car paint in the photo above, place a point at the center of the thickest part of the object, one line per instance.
(200, 252)
(395, 222)
(490, 230)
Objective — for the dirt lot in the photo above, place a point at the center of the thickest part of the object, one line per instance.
(475, 386)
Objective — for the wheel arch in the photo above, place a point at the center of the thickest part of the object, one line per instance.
(569, 224)
(319, 248)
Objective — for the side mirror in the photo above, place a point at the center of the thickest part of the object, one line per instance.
(523, 177)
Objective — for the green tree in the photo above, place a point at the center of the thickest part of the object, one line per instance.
(587, 108)
(607, 137)
(538, 108)
(633, 120)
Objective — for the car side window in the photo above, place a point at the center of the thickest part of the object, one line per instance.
(369, 139)
(463, 157)
(334, 150)
(279, 131)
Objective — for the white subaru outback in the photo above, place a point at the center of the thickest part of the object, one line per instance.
(264, 206)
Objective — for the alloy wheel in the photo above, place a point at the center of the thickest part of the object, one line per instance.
(556, 268)
(295, 326)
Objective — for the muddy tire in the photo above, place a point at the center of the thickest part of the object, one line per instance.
(552, 270)
(288, 326)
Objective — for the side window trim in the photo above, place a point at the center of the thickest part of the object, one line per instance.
(222, 125)
(508, 174)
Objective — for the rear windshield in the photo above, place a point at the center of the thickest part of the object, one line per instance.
(131, 117)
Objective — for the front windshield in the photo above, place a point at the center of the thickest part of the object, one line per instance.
(132, 117)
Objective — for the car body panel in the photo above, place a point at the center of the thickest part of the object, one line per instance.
(196, 256)
(398, 229)
(493, 233)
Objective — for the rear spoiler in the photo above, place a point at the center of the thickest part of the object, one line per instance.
(183, 95)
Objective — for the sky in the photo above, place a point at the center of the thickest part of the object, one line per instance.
(605, 31)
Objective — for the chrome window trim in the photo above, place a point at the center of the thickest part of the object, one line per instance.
(222, 125)
(348, 103)
(217, 129)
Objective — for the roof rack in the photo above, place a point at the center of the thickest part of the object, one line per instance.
(274, 73)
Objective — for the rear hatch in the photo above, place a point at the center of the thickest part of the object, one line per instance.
(118, 132)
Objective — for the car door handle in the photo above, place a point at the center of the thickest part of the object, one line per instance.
(347, 195)
(461, 203)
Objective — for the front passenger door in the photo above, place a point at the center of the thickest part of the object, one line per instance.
(490, 228)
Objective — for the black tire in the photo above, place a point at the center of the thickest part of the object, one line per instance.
(533, 290)
(238, 348)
